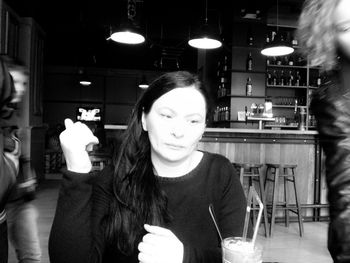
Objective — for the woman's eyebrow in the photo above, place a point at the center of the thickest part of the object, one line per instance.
(342, 23)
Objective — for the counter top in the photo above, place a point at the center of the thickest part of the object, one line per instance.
(231, 130)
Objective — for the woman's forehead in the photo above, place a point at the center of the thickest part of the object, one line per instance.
(188, 97)
(342, 12)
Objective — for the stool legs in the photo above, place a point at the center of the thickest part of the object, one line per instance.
(300, 219)
(274, 200)
(273, 173)
(252, 171)
(286, 211)
(263, 199)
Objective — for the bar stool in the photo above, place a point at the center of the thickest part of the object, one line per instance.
(287, 172)
(99, 161)
(252, 172)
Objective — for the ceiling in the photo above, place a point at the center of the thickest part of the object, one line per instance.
(76, 31)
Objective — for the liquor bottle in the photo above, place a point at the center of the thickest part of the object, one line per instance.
(258, 14)
(290, 61)
(297, 78)
(249, 87)
(290, 79)
(300, 61)
(274, 78)
(294, 41)
(319, 80)
(219, 91)
(283, 81)
(243, 12)
(278, 61)
(218, 69)
(249, 64)
(269, 78)
(268, 62)
(273, 34)
(223, 77)
(225, 66)
(223, 87)
(216, 114)
(250, 39)
(227, 114)
(285, 60)
(274, 60)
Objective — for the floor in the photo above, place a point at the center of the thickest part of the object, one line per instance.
(285, 246)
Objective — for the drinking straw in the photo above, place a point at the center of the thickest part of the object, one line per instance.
(247, 214)
(261, 207)
(212, 213)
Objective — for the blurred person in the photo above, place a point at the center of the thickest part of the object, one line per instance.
(9, 152)
(21, 213)
(153, 204)
(324, 35)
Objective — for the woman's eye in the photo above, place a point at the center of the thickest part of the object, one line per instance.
(194, 121)
(343, 28)
(168, 116)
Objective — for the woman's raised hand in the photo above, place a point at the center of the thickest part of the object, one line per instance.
(76, 140)
(160, 245)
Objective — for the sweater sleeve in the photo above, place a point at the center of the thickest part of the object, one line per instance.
(229, 207)
(70, 237)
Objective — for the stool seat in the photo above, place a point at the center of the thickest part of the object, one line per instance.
(253, 173)
(287, 172)
(249, 165)
(274, 165)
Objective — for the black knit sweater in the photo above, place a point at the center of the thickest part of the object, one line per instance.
(77, 235)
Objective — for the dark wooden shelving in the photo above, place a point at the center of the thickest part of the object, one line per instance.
(248, 71)
(286, 87)
(286, 66)
(245, 96)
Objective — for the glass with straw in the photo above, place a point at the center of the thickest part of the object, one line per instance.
(243, 249)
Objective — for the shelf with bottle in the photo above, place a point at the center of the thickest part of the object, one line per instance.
(293, 61)
(285, 33)
(221, 113)
(290, 77)
(223, 77)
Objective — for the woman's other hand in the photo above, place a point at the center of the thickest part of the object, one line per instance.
(76, 140)
(160, 245)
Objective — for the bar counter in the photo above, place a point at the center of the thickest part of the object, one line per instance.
(272, 146)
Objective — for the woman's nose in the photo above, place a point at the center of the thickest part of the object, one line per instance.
(178, 129)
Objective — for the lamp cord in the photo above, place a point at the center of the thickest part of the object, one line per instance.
(277, 17)
(206, 11)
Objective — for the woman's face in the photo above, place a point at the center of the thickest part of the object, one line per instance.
(175, 124)
(20, 82)
(342, 23)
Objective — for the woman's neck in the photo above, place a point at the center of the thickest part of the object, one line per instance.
(171, 169)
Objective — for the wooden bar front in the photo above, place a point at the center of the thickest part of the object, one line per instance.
(274, 146)
(277, 146)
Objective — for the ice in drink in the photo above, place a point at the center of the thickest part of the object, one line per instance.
(235, 250)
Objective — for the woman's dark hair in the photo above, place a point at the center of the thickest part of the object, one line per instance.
(138, 197)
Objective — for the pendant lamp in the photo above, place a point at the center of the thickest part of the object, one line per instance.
(206, 37)
(84, 79)
(278, 46)
(128, 32)
(143, 84)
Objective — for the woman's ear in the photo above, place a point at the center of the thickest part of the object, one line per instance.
(143, 122)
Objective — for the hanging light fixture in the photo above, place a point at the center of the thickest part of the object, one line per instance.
(206, 38)
(277, 46)
(143, 84)
(128, 32)
(84, 79)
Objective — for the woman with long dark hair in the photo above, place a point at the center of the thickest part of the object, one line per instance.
(324, 34)
(152, 206)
